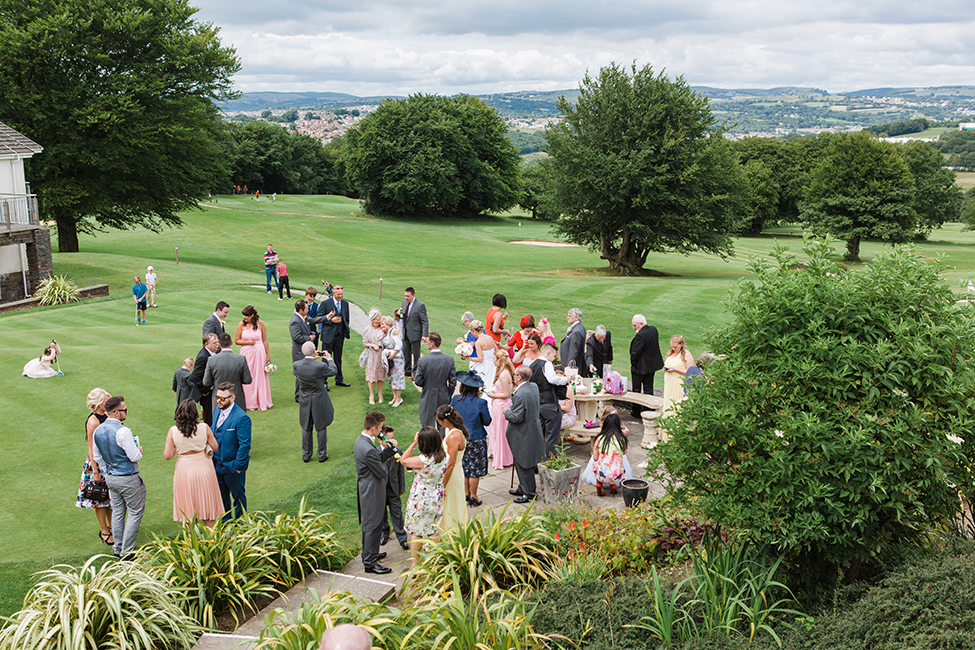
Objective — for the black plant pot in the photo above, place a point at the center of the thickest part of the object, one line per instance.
(635, 490)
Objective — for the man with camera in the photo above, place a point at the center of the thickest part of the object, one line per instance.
(314, 405)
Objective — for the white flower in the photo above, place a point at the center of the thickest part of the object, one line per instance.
(954, 439)
(779, 433)
(899, 392)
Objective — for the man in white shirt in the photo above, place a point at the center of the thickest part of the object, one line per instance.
(151, 283)
(117, 455)
(539, 360)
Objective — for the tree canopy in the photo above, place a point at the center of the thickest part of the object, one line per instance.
(862, 189)
(119, 94)
(840, 425)
(639, 166)
(433, 156)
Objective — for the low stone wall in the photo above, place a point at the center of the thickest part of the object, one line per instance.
(94, 291)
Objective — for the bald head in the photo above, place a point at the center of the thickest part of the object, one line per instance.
(346, 637)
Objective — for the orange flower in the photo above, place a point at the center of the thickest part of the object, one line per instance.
(556, 536)
(572, 525)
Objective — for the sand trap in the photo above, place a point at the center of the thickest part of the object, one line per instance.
(532, 242)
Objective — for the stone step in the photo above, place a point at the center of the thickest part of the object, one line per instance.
(321, 581)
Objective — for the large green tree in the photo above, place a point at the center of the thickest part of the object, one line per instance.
(119, 93)
(640, 166)
(936, 196)
(840, 425)
(862, 189)
(433, 155)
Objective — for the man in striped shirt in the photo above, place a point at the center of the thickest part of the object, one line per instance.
(271, 267)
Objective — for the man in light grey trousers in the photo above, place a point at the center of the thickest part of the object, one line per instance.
(118, 457)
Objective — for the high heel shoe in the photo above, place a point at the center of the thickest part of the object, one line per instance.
(612, 488)
(599, 490)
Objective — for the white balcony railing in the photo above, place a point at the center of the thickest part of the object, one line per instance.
(17, 210)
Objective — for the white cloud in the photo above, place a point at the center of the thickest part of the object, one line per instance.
(384, 47)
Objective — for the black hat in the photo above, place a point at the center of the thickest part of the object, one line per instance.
(469, 378)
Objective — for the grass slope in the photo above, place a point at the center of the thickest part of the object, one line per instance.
(454, 265)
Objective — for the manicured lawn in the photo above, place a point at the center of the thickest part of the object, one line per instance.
(453, 265)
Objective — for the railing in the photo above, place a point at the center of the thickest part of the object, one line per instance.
(17, 210)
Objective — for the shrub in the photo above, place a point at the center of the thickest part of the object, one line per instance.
(840, 424)
(631, 540)
(101, 605)
(57, 290)
(487, 552)
(238, 562)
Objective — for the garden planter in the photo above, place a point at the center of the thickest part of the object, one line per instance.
(635, 490)
(555, 485)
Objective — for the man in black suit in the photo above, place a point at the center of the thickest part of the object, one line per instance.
(645, 359)
(599, 351)
(228, 366)
(335, 329)
(315, 408)
(415, 329)
(201, 392)
(572, 350)
(214, 324)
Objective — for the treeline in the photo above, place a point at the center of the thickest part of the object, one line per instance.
(958, 148)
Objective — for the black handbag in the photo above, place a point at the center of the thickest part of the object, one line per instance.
(95, 491)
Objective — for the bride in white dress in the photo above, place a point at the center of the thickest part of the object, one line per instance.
(482, 359)
(40, 368)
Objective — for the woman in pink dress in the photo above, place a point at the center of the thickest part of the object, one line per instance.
(196, 494)
(500, 402)
(252, 339)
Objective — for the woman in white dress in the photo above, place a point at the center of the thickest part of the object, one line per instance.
(40, 368)
(482, 358)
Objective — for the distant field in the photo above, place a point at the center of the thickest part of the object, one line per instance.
(965, 180)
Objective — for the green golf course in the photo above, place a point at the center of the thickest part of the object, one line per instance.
(454, 266)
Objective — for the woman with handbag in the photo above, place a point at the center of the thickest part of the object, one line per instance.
(608, 466)
(93, 491)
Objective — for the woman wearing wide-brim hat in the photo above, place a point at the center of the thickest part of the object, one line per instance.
(474, 411)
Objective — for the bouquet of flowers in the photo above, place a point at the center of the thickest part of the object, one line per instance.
(464, 349)
(270, 367)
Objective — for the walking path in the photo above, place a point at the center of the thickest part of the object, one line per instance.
(493, 491)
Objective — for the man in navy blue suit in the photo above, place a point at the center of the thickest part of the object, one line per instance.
(335, 329)
(233, 433)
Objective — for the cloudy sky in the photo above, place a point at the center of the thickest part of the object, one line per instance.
(374, 47)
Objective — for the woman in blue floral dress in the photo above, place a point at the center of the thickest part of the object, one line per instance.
(424, 507)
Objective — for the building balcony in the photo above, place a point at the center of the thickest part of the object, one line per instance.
(18, 211)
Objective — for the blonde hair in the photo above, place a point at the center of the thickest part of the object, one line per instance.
(503, 362)
(96, 397)
(389, 320)
(476, 326)
(677, 344)
(374, 314)
(189, 362)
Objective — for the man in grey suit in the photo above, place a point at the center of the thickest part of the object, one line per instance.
(300, 334)
(227, 366)
(415, 329)
(371, 477)
(435, 375)
(524, 433)
(214, 324)
(573, 347)
(315, 408)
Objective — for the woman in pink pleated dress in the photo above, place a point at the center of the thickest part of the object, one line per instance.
(252, 339)
(500, 402)
(196, 493)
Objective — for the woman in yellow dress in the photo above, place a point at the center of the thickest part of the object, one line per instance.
(454, 443)
(678, 360)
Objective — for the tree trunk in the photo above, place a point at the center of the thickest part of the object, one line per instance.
(853, 249)
(625, 259)
(67, 236)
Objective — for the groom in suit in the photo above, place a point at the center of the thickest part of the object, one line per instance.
(415, 329)
(335, 329)
(435, 375)
(233, 434)
(227, 366)
(315, 408)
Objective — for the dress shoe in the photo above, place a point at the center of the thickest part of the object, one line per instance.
(307, 460)
(343, 383)
(383, 539)
(524, 499)
(516, 492)
(406, 546)
(381, 556)
(378, 569)
(322, 460)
